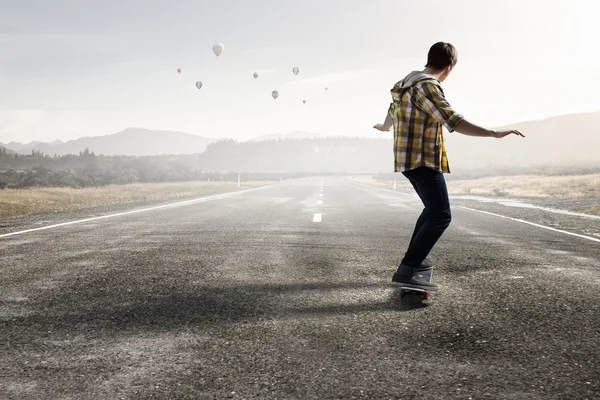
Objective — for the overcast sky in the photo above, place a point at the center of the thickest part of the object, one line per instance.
(72, 68)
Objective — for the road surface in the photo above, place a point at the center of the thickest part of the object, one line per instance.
(282, 293)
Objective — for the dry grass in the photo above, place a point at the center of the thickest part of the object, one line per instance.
(527, 186)
(14, 202)
(559, 187)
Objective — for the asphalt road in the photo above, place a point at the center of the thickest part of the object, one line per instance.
(271, 294)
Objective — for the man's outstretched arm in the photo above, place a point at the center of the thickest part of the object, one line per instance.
(431, 98)
(387, 124)
(469, 129)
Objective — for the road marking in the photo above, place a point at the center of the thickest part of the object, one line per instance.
(321, 194)
(497, 215)
(320, 202)
(520, 204)
(533, 224)
(181, 203)
(317, 217)
(381, 188)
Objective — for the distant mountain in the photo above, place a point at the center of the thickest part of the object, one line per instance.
(27, 147)
(19, 147)
(289, 135)
(130, 142)
(8, 151)
(567, 140)
(564, 140)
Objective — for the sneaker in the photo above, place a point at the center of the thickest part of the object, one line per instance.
(426, 265)
(416, 281)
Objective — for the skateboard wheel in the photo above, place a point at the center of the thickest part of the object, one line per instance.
(402, 293)
(425, 295)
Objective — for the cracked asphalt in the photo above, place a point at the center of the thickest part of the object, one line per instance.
(245, 297)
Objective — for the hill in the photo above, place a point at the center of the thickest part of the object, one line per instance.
(298, 135)
(8, 151)
(564, 140)
(130, 142)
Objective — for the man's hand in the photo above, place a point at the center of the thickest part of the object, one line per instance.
(382, 127)
(387, 124)
(501, 134)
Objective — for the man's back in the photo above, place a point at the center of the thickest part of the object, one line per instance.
(419, 110)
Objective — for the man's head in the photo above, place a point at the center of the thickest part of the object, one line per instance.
(442, 57)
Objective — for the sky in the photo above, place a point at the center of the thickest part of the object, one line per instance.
(74, 68)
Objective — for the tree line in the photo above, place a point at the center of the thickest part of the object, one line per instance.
(222, 160)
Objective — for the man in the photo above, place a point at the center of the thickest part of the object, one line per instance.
(418, 112)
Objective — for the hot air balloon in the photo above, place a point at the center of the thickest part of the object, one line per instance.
(178, 70)
(275, 94)
(304, 101)
(218, 49)
(255, 75)
(199, 84)
(326, 89)
(295, 70)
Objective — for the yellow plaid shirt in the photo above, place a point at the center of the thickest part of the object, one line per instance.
(419, 110)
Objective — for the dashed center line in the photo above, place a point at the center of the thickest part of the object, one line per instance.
(320, 202)
(317, 217)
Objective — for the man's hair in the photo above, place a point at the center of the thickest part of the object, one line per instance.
(441, 55)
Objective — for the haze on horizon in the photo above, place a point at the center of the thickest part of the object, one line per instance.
(69, 69)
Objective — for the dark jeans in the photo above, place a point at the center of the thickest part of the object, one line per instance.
(430, 185)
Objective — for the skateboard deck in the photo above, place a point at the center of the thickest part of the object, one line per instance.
(407, 290)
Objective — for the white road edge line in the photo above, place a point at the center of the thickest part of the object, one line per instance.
(181, 203)
(317, 217)
(413, 195)
(532, 223)
(497, 215)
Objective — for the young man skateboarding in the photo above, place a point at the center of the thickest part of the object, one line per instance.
(418, 112)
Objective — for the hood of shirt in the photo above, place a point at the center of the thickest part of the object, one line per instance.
(410, 80)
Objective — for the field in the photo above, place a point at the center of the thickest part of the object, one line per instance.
(16, 202)
(581, 190)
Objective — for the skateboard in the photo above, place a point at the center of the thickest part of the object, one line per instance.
(404, 290)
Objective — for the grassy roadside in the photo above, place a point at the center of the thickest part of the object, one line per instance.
(18, 202)
(560, 187)
(523, 186)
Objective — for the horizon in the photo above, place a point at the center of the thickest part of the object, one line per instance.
(276, 133)
(172, 131)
